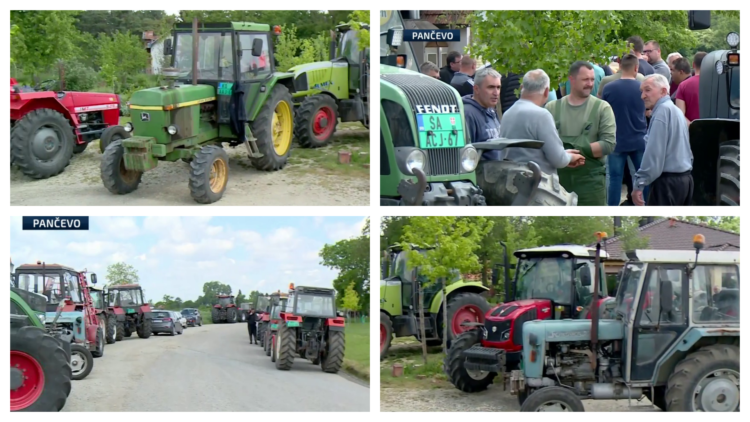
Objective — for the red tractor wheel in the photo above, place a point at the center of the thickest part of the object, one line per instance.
(29, 374)
(39, 372)
(42, 143)
(465, 307)
(386, 334)
(316, 121)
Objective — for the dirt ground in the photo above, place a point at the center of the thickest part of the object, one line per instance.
(312, 177)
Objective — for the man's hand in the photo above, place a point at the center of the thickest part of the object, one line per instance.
(576, 159)
(648, 113)
(637, 196)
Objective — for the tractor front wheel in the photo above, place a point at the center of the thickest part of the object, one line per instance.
(453, 365)
(99, 352)
(272, 130)
(728, 190)
(231, 315)
(707, 380)
(111, 329)
(215, 318)
(39, 372)
(111, 134)
(120, 331)
(463, 307)
(334, 354)
(81, 361)
(116, 178)
(552, 399)
(144, 331)
(209, 173)
(386, 334)
(316, 121)
(286, 348)
(42, 143)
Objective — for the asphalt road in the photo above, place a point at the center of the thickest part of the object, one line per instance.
(209, 369)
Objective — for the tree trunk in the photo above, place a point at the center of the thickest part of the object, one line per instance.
(445, 319)
(421, 326)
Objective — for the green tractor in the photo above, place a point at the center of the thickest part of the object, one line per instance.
(334, 90)
(222, 87)
(715, 136)
(40, 374)
(399, 303)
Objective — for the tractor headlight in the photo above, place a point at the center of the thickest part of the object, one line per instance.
(83, 117)
(733, 39)
(172, 130)
(415, 159)
(128, 127)
(469, 158)
(42, 318)
(719, 67)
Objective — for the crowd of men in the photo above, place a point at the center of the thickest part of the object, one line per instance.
(625, 121)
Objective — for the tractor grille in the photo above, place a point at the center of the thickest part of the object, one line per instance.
(529, 315)
(423, 90)
(495, 329)
(443, 161)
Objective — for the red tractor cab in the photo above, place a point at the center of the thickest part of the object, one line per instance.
(132, 312)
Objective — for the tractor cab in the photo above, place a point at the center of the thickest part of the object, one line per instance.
(393, 51)
(347, 50)
(57, 283)
(224, 301)
(313, 302)
(98, 297)
(127, 296)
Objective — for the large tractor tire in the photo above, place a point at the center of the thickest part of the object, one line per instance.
(316, 120)
(115, 177)
(553, 399)
(215, 318)
(99, 352)
(231, 315)
(81, 361)
(453, 365)
(267, 343)
(386, 334)
(273, 129)
(463, 307)
(209, 174)
(728, 189)
(286, 347)
(707, 380)
(144, 331)
(120, 331)
(334, 354)
(111, 329)
(498, 181)
(79, 148)
(274, 340)
(111, 134)
(42, 143)
(39, 372)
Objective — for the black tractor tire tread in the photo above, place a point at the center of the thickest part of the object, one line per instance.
(454, 369)
(120, 331)
(106, 138)
(542, 395)
(287, 344)
(693, 368)
(385, 320)
(51, 356)
(99, 337)
(87, 355)
(200, 174)
(21, 133)
(79, 148)
(263, 132)
(334, 357)
(145, 330)
(729, 173)
(111, 329)
(552, 194)
(215, 318)
(304, 120)
(110, 170)
(231, 315)
(457, 301)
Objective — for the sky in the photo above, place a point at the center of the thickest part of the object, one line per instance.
(176, 255)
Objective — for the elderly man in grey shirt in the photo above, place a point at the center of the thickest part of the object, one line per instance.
(668, 160)
(528, 119)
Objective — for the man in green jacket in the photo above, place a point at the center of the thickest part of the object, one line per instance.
(587, 124)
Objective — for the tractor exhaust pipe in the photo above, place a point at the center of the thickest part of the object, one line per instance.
(595, 304)
(195, 50)
(506, 267)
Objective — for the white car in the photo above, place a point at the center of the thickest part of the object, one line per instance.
(178, 317)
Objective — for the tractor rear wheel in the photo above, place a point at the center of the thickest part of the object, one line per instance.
(99, 352)
(111, 134)
(215, 318)
(39, 372)
(274, 339)
(707, 380)
(463, 307)
(144, 331)
(267, 343)
(231, 315)
(552, 399)
(111, 329)
(334, 354)
(120, 331)
(116, 178)
(209, 173)
(728, 180)
(386, 334)
(42, 143)
(81, 361)
(316, 121)
(272, 130)
(453, 365)
(286, 348)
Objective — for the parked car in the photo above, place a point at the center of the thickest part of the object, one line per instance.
(193, 317)
(165, 322)
(182, 319)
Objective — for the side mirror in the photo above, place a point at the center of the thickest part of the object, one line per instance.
(585, 276)
(168, 47)
(699, 19)
(665, 295)
(257, 47)
(93, 278)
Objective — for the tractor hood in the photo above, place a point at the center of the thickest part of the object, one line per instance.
(504, 323)
(176, 97)
(512, 310)
(65, 317)
(330, 76)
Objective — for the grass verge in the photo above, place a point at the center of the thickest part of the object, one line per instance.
(416, 374)
(357, 355)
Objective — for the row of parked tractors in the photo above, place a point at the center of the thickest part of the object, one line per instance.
(206, 101)
(60, 322)
(671, 333)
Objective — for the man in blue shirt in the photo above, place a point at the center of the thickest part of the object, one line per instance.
(624, 96)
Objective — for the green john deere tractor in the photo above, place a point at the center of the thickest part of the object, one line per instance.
(399, 303)
(222, 87)
(715, 136)
(330, 91)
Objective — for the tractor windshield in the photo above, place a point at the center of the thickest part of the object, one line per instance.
(224, 301)
(627, 289)
(97, 296)
(349, 46)
(124, 298)
(313, 305)
(545, 278)
(215, 55)
(276, 310)
(54, 286)
(262, 303)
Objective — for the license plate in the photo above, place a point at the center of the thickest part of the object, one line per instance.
(274, 326)
(292, 324)
(440, 131)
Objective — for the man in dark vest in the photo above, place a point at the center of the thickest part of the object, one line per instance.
(252, 326)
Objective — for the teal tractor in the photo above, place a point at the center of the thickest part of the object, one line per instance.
(338, 89)
(40, 374)
(672, 335)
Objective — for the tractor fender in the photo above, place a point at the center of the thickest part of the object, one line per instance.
(276, 78)
(460, 287)
(120, 317)
(336, 328)
(38, 100)
(693, 339)
(335, 324)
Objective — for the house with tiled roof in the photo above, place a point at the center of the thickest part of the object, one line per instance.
(669, 234)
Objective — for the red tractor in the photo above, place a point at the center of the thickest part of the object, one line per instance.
(48, 127)
(104, 312)
(131, 310)
(225, 311)
(309, 327)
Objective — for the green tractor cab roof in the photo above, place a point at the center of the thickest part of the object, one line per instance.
(575, 250)
(684, 256)
(236, 26)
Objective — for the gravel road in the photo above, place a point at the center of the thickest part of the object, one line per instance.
(208, 369)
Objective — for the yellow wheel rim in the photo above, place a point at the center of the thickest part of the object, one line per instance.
(218, 175)
(282, 128)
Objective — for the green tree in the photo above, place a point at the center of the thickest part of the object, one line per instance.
(253, 298)
(41, 38)
(213, 288)
(350, 300)
(121, 273)
(668, 27)
(356, 19)
(351, 258)
(630, 236)
(577, 230)
(240, 298)
(121, 57)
